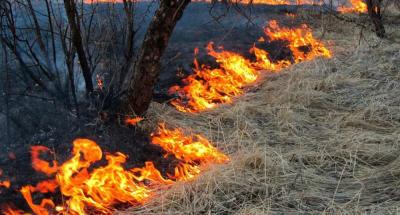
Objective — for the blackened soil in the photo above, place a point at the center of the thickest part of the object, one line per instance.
(236, 30)
(131, 141)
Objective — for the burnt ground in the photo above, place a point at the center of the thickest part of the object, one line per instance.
(236, 29)
(56, 130)
(133, 142)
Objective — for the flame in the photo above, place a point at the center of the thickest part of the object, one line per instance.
(189, 149)
(103, 187)
(269, 2)
(357, 6)
(7, 209)
(193, 151)
(39, 164)
(263, 61)
(42, 187)
(207, 87)
(133, 121)
(87, 186)
(298, 39)
(6, 183)
(279, 2)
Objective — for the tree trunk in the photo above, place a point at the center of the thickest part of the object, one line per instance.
(70, 8)
(374, 11)
(130, 32)
(140, 84)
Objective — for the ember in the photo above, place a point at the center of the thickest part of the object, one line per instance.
(100, 82)
(133, 121)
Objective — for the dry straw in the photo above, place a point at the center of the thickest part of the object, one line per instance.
(322, 137)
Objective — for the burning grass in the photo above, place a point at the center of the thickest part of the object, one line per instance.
(208, 87)
(356, 6)
(90, 188)
(320, 137)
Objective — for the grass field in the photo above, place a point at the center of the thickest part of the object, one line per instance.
(321, 137)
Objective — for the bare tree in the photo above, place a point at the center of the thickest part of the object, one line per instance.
(73, 20)
(142, 76)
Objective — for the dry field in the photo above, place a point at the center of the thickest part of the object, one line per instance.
(322, 137)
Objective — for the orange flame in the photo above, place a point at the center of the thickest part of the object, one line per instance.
(299, 39)
(357, 6)
(7, 209)
(269, 2)
(100, 188)
(190, 149)
(279, 2)
(42, 187)
(39, 164)
(133, 121)
(6, 183)
(207, 87)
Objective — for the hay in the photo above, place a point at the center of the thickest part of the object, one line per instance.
(321, 137)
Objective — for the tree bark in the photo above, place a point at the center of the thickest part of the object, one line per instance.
(130, 33)
(374, 11)
(70, 8)
(141, 82)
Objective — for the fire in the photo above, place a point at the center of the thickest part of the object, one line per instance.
(86, 186)
(298, 39)
(42, 187)
(269, 2)
(6, 183)
(207, 87)
(104, 186)
(263, 61)
(39, 164)
(357, 6)
(190, 149)
(7, 209)
(279, 2)
(133, 121)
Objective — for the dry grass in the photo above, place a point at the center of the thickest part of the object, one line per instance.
(322, 137)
